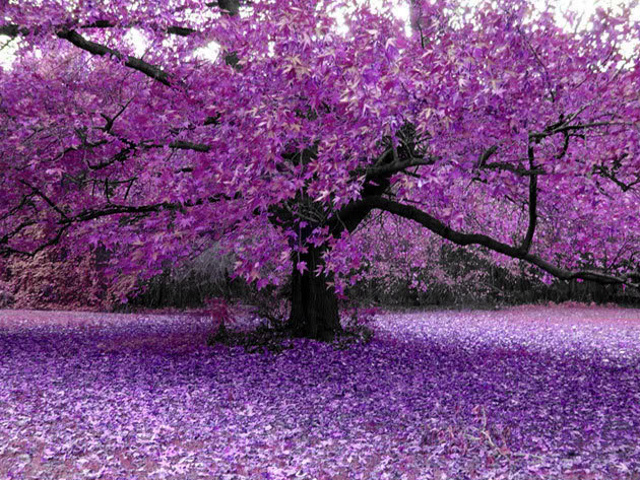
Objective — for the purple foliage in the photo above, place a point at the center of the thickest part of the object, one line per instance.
(499, 123)
(528, 393)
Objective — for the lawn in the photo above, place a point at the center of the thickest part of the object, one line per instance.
(524, 393)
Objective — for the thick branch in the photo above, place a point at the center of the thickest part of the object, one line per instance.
(398, 166)
(79, 41)
(174, 30)
(149, 70)
(93, 214)
(184, 145)
(13, 30)
(464, 239)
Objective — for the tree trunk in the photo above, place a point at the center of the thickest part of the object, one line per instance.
(314, 304)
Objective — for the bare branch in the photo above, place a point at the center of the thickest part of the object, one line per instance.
(13, 31)
(109, 125)
(111, 209)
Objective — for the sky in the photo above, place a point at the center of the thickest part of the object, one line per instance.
(586, 7)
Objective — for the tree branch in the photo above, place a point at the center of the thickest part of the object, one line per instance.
(547, 77)
(231, 7)
(67, 220)
(464, 239)
(79, 41)
(47, 200)
(398, 166)
(184, 145)
(488, 153)
(518, 170)
(149, 70)
(611, 174)
(564, 128)
(13, 30)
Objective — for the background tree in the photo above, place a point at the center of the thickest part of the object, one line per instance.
(488, 125)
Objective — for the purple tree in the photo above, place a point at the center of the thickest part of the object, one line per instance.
(489, 125)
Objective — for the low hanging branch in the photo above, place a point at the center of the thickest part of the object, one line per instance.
(67, 220)
(464, 239)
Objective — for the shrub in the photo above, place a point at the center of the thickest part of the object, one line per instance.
(221, 315)
(358, 324)
(6, 297)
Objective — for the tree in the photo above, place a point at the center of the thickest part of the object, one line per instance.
(495, 126)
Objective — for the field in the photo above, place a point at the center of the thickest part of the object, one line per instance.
(525, 393)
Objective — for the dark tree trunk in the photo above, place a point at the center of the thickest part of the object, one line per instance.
(314, 304)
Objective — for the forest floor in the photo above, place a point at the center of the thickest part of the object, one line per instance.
(522, 393)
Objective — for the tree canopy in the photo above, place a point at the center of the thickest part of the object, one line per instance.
(497, 125)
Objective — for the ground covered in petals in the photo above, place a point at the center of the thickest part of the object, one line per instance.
(526, 393)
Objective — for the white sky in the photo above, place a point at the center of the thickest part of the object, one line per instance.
(585, 7)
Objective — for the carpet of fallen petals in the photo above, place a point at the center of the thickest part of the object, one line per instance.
(524, 393)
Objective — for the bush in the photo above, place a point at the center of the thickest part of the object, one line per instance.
(221, 315)
(53, 279)
(6, 298)
(358, 326)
